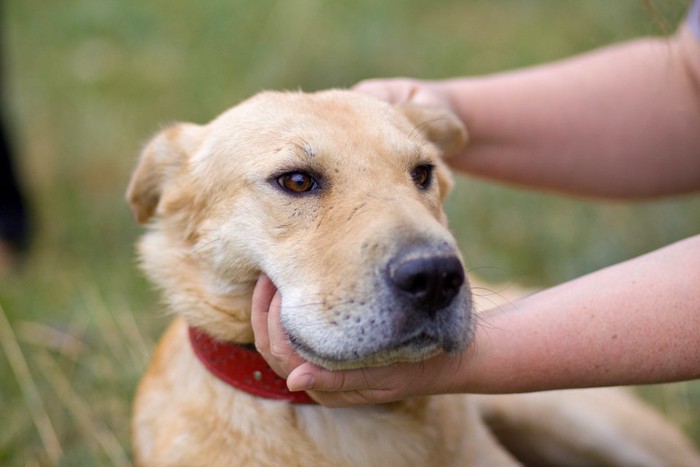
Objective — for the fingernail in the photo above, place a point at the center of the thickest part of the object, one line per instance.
(301, 383)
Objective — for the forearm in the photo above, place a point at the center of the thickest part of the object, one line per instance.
(619, 122)
(633, 323)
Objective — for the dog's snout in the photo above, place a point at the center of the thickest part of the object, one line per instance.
(429, 282)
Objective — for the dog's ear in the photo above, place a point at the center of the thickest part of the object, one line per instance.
(440, 126)
(163, 158)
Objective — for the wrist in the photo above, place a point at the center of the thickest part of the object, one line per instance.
(484, 367)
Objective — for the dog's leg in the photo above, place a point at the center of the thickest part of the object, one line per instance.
(585, 427)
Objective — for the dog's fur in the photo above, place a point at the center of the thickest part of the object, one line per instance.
(223, 207)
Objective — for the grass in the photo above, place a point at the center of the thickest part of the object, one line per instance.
(88, 82)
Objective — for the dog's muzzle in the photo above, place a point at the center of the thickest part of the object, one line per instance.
(414, 306)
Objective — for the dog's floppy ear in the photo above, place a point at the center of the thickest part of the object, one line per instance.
(163, 158)
(440, 126)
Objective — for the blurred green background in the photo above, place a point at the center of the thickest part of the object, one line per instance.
(88, 81)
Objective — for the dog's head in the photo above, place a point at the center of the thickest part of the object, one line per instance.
(337, 197)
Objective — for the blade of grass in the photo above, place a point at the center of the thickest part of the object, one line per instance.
(117, 328)
(48, 337)
(31, 394)
(75, 404)
(139, 346)
(105, 321)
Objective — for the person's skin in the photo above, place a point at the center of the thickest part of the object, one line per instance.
(620, 122)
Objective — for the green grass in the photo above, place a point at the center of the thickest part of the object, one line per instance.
(89, 82)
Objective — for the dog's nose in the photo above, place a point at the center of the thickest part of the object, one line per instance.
(429, 282)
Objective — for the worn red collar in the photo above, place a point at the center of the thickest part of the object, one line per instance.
(243, 368)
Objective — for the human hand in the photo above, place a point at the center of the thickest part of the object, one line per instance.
(340, 388)
(406, 90)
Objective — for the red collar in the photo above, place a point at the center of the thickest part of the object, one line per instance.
(243, 368)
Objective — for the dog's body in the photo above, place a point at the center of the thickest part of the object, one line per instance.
(338, 198)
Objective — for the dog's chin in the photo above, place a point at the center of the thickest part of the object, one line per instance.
(417, 349)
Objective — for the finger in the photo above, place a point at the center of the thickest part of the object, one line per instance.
(374, 88)
(337, 386)
(373, 385)
(264, 290)
(394, 91)
(310, 377)
(262, 296)
(270, 339)
(281, 356)
(349, 398)
(277, 335)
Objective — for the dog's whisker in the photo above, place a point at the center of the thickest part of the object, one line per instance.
(418, 129)
(190, 254)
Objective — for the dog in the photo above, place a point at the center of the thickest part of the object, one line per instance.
(337, 197)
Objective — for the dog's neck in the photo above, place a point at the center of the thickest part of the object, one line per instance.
(242, 367)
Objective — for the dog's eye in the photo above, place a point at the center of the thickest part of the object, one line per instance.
(422, 175)
(297, 182)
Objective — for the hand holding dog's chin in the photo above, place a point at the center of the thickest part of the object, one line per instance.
(377, 385)
(347, 388)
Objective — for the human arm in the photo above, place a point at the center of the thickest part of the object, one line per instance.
(622, 121)
(636, 322)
